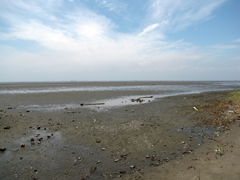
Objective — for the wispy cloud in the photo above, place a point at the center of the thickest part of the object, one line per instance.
(181, 14)
(149, 28)
(112, 5)
(237, 40)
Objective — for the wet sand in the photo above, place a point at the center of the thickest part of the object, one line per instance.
(126, 142)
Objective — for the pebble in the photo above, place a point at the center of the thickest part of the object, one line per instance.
(132, 166)
(3, 149)
(22, 145)
(116, 160)
(6, 127)
(98, 141)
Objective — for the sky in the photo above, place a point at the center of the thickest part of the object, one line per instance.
(119, 40)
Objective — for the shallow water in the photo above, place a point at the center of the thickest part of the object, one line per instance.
(156, 89)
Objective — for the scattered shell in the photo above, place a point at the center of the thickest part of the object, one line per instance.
(132, 166)
(116, 160)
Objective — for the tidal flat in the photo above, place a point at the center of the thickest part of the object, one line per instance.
(64, 140)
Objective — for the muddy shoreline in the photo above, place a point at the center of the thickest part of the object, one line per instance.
(87, 143)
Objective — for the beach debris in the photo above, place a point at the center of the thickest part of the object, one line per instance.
(93, 168)
(189, 167)
(98, 162)
(22, 145)
(2, 149)
(92, 104)
(195, 108)
(140, 100)
(6, 127)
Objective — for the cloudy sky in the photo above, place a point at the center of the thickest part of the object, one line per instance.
(63, 40)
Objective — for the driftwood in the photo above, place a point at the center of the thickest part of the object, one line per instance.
(147, 97)
(92, 104)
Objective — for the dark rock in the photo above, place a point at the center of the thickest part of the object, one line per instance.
(98, 141)
(6, 127)
(39, 127)
(2, 149)
(32, 139)
(9, 107)
(22, 145)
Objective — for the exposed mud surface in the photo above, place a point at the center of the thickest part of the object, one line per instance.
(76, 143)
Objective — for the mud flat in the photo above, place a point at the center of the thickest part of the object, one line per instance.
(130, 142)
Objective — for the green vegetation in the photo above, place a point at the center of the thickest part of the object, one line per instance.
(234, 96)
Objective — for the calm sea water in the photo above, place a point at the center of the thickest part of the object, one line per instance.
(166, 88)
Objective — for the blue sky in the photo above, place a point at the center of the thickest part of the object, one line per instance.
(107, 40)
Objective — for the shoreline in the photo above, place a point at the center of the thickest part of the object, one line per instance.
(102, 145)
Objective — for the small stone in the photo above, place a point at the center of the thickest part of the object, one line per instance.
(116, 160)
(9, 107)
(22, 145)
(132, 110)
(147, 156)
(39, 127)
(3, 149)
(98, 162)
(132, 166)
(183, 142)
(98, 141)
(32, 139)
(103, 149)
(27, 111)
(6, 127)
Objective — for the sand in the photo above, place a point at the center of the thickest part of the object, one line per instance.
(145, 141)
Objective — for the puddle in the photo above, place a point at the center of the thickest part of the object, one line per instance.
(107, 103)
